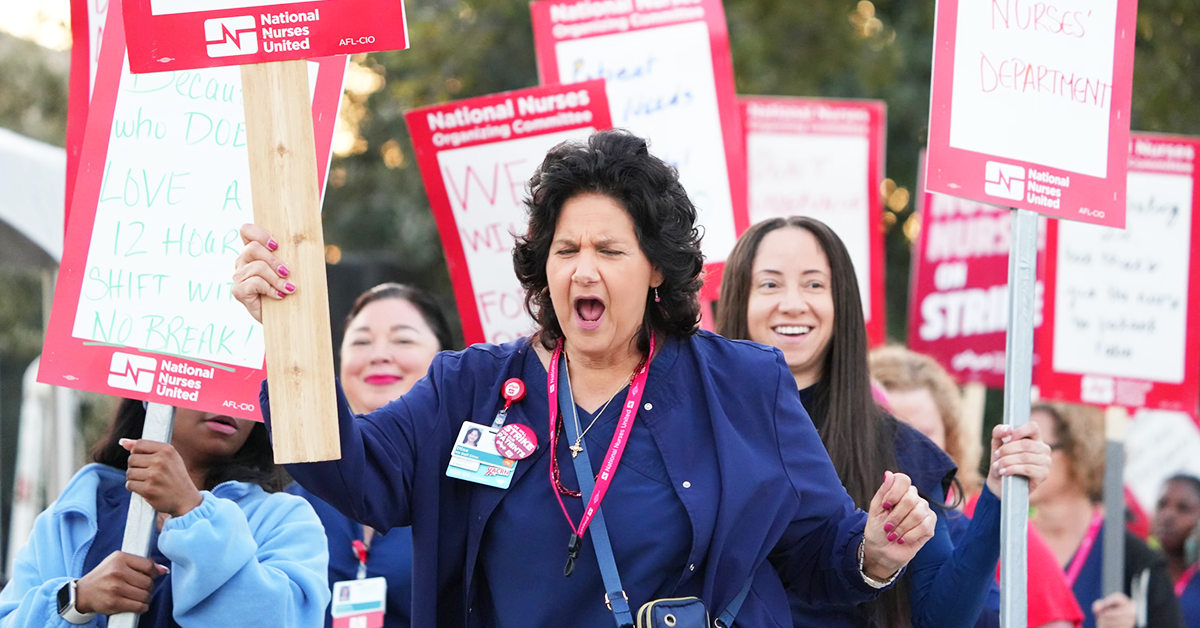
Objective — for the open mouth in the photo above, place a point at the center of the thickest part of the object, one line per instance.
(589, 310)
(222, 424)
(792, 331)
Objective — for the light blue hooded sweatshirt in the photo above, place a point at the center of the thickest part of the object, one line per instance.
(242, 557)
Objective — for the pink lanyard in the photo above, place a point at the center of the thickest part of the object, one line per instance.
(1182, 583)
(1085, 548)
(615, 449)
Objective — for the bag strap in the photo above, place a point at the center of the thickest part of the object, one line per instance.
(731, 611)
(614, 595)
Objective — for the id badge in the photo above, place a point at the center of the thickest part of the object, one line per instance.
(359, 603)
(474, 458)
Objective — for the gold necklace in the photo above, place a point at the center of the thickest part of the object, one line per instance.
(577, 448)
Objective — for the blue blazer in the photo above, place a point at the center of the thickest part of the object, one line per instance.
(742, 455)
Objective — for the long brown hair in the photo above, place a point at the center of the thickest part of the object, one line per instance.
(861, 439)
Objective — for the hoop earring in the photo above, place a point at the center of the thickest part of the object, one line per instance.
(656, 299)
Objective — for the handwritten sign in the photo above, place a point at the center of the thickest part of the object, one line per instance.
(1123, 323)
(670, 80)
(1159, 444)
(958, 302)
(1030, 105)
(823, 158)
(476, 157)
(188, 34)
(143, 306)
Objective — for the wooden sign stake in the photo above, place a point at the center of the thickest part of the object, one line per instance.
(1018, 384)
(283, 182)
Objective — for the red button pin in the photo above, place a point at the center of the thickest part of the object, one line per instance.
(514, 390)
(516, 441)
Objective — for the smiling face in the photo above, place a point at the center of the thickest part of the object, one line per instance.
(1177, 515)
(388, 347)
(599, 278)
(204, 439)
(791, 301)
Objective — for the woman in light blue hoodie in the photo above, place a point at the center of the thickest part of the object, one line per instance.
(229, 549)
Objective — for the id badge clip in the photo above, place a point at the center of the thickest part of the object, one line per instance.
(488, 454)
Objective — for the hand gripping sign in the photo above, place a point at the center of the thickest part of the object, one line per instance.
(270, 38)
(670, 80)
(1030, 105)
(143, 307)
(476, 157)
(1123, 307)
(823, 158)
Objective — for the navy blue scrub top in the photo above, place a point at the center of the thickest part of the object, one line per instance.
(948, 584)
(112, 506)
(640, 499)
(390, 557)
(1190, 602)
(737, 501)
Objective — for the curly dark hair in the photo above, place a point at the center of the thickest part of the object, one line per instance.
(618, 165)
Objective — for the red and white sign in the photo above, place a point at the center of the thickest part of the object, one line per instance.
(958, 297)
(1030, 105)
(476, 157)
(670, 80)
(1123, 307)
(87, 31)
(823, 158)
(143, 306)
(188, 34)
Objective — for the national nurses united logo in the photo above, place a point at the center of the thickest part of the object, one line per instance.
(1004, 180)
(231, 36)
(132, 372)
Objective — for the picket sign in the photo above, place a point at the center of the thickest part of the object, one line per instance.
(823, 158)
(476, 157)
(669, 78)
(1031, 111)
(270, 39)
(1123, 307)
(1030, 108)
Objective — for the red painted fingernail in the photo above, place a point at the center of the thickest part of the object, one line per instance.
(900, 541)
(290, 288)
(281, 295)
(888, 527)
(272, 244)
(283, 271)
(887, 505)
(892, 537)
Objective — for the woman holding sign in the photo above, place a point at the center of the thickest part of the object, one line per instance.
(392, 334)
(229, 545)
(922, 394)
(669, 435)
(789, 283)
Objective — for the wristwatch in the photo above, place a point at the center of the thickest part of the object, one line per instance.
(66, 604)
(873, 583)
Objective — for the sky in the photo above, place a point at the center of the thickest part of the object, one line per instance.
(46, 22)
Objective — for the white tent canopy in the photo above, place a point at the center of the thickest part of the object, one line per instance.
(32, 187)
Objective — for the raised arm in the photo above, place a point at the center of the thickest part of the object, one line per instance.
(818, 556)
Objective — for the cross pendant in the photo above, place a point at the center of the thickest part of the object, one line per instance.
(575, 450)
